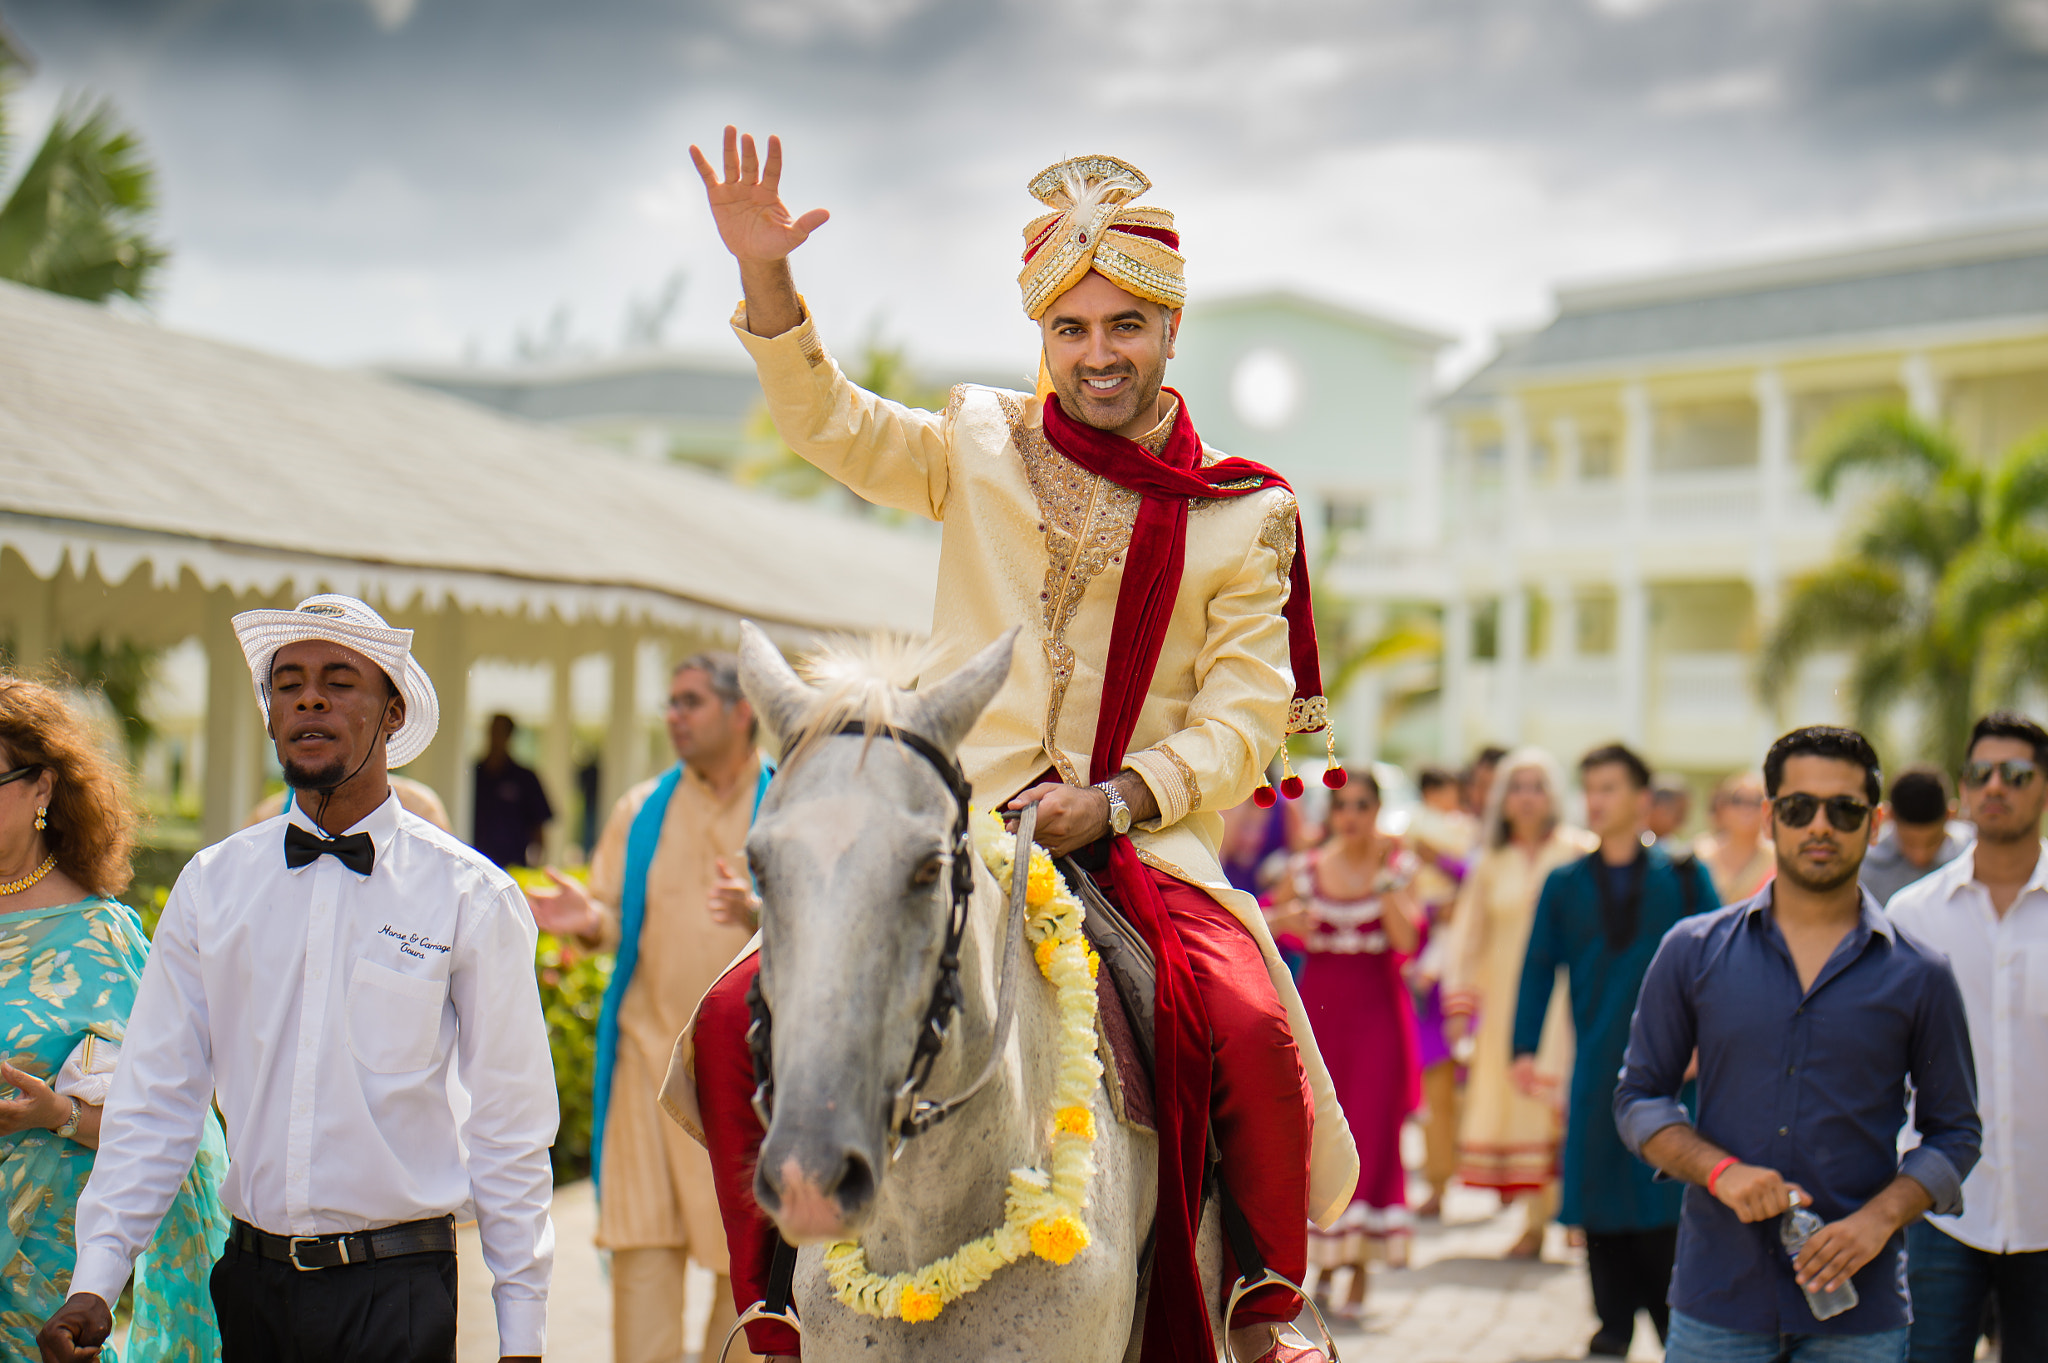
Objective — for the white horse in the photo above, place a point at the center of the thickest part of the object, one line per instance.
(853, 852)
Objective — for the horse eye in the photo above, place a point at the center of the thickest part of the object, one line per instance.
(927, 872)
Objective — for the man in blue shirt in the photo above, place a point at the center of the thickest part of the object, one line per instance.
(1809, 1012)
(1601, 917)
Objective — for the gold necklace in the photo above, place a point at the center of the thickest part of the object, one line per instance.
(17, 886)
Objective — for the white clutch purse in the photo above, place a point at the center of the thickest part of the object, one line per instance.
(88, 1073)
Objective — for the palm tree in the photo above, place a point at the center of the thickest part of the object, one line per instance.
(1883, 597)
(1997, 591)
(78, 219)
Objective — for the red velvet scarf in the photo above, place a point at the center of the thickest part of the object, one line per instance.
(1177, 1321)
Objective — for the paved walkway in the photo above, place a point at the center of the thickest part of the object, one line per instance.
(1459, 1302)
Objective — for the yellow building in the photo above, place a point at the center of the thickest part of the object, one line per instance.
(1625, 491)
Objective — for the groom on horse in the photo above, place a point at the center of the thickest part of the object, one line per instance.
(1162, 587)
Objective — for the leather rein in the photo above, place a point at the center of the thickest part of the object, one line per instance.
(911, 1114)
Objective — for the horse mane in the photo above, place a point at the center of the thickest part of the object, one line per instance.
(856, 679)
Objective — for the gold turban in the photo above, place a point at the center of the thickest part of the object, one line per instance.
(1095, 225)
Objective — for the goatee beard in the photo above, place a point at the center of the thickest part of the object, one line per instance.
(1813, 885)
(314, 778)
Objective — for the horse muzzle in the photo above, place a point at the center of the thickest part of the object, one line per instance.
(815, 1189)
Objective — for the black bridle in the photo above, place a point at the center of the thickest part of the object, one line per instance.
(911, 1114)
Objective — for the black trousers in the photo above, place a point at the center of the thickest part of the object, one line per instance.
(388, 1311)
(1631, 1272)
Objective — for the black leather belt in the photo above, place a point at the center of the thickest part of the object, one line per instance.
(308, 1252)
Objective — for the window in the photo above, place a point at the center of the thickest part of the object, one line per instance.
(1706, 435)
(1346, 514)
(1486, 630)
(1599, 455)
(1594, 614)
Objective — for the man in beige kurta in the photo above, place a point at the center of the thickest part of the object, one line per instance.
(657, 1210)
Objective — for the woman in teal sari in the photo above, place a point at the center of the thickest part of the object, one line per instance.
(70, 959)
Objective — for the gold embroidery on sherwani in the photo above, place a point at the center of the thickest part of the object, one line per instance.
(1087, 526)
(1278, 534)
(1187, 776)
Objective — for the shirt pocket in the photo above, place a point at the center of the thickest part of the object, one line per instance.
(394, 1019)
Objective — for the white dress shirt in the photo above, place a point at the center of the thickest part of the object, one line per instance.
(2002, 966)
(324, 1010)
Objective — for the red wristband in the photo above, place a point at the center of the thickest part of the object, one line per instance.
(1719, 1170)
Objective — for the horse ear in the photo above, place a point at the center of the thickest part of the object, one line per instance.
(778, 695)
(948, 710)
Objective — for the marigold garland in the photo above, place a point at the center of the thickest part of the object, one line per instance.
(1043, 1212)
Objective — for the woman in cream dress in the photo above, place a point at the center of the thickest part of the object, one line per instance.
(1508, 1141)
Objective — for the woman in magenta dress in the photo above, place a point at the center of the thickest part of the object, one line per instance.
(1348, 902)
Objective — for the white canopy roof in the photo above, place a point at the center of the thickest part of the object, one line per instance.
(127, 443)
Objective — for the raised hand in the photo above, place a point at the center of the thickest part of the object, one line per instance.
(746, 202)
(567, 910)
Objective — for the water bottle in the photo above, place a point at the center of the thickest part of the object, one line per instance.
(1795, 1228)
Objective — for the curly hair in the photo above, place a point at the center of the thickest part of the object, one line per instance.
(92, 820)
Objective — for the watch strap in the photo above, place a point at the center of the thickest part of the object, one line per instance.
(70, 1127)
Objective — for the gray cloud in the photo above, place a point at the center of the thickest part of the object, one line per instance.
(1442, 156)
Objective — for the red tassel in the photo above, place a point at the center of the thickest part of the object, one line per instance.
(1291, 786)
(1264, 797)
(1334, 777)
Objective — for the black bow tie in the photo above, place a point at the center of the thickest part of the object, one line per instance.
(303, 847)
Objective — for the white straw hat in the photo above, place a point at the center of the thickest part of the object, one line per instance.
(352, 624)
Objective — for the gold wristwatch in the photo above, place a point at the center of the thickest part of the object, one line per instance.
(1119, 812)
(70, 1127)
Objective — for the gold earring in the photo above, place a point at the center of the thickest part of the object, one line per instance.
(41, 822)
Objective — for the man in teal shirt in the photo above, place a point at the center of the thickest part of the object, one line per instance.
(1601, 918)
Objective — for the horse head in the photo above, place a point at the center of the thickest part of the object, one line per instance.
(852, 852)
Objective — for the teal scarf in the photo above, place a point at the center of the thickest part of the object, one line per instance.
(641, 841)
(65, 973)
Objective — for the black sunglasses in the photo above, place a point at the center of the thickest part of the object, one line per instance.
(2017, 774)
(1845, 812)
(20, 773)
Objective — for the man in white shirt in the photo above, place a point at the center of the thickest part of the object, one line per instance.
(320, 975)
(1988, 911)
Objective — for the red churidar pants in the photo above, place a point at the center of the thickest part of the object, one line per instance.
(1259, 1103)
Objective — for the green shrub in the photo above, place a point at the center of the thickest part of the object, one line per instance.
(572, 985)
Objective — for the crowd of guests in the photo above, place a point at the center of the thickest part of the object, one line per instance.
(1878, 981)
(1431, 939)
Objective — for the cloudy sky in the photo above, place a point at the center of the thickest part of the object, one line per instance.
(352, 180)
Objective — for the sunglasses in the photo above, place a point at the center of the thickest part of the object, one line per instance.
(19, 773)
(1845, 812)
(2017, 774)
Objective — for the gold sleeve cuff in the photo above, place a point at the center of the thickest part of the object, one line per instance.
(1172, 783)
(802, 338)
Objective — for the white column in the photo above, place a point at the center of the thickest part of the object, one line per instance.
(1632, 650)
(1632, 597)
(34, 615)
(1511, 638)
(557, 758)
(624, 743)
(1457, 678)
(1562, 603)
(1923, 388)
(1428, 492)
(448, 765)
(228, 788)
(1564, 438)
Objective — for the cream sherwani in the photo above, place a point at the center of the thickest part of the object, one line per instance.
(1032, 539)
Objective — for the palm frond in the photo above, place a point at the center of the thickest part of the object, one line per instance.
(1881, 439)
(1838, 606)
(2018, 490)
(1404, 641)
(77, 222)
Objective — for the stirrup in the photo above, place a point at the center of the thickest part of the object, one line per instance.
(761, 1311)
(1268, 1279)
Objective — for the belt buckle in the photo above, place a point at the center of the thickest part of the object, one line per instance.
(292, 1252)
